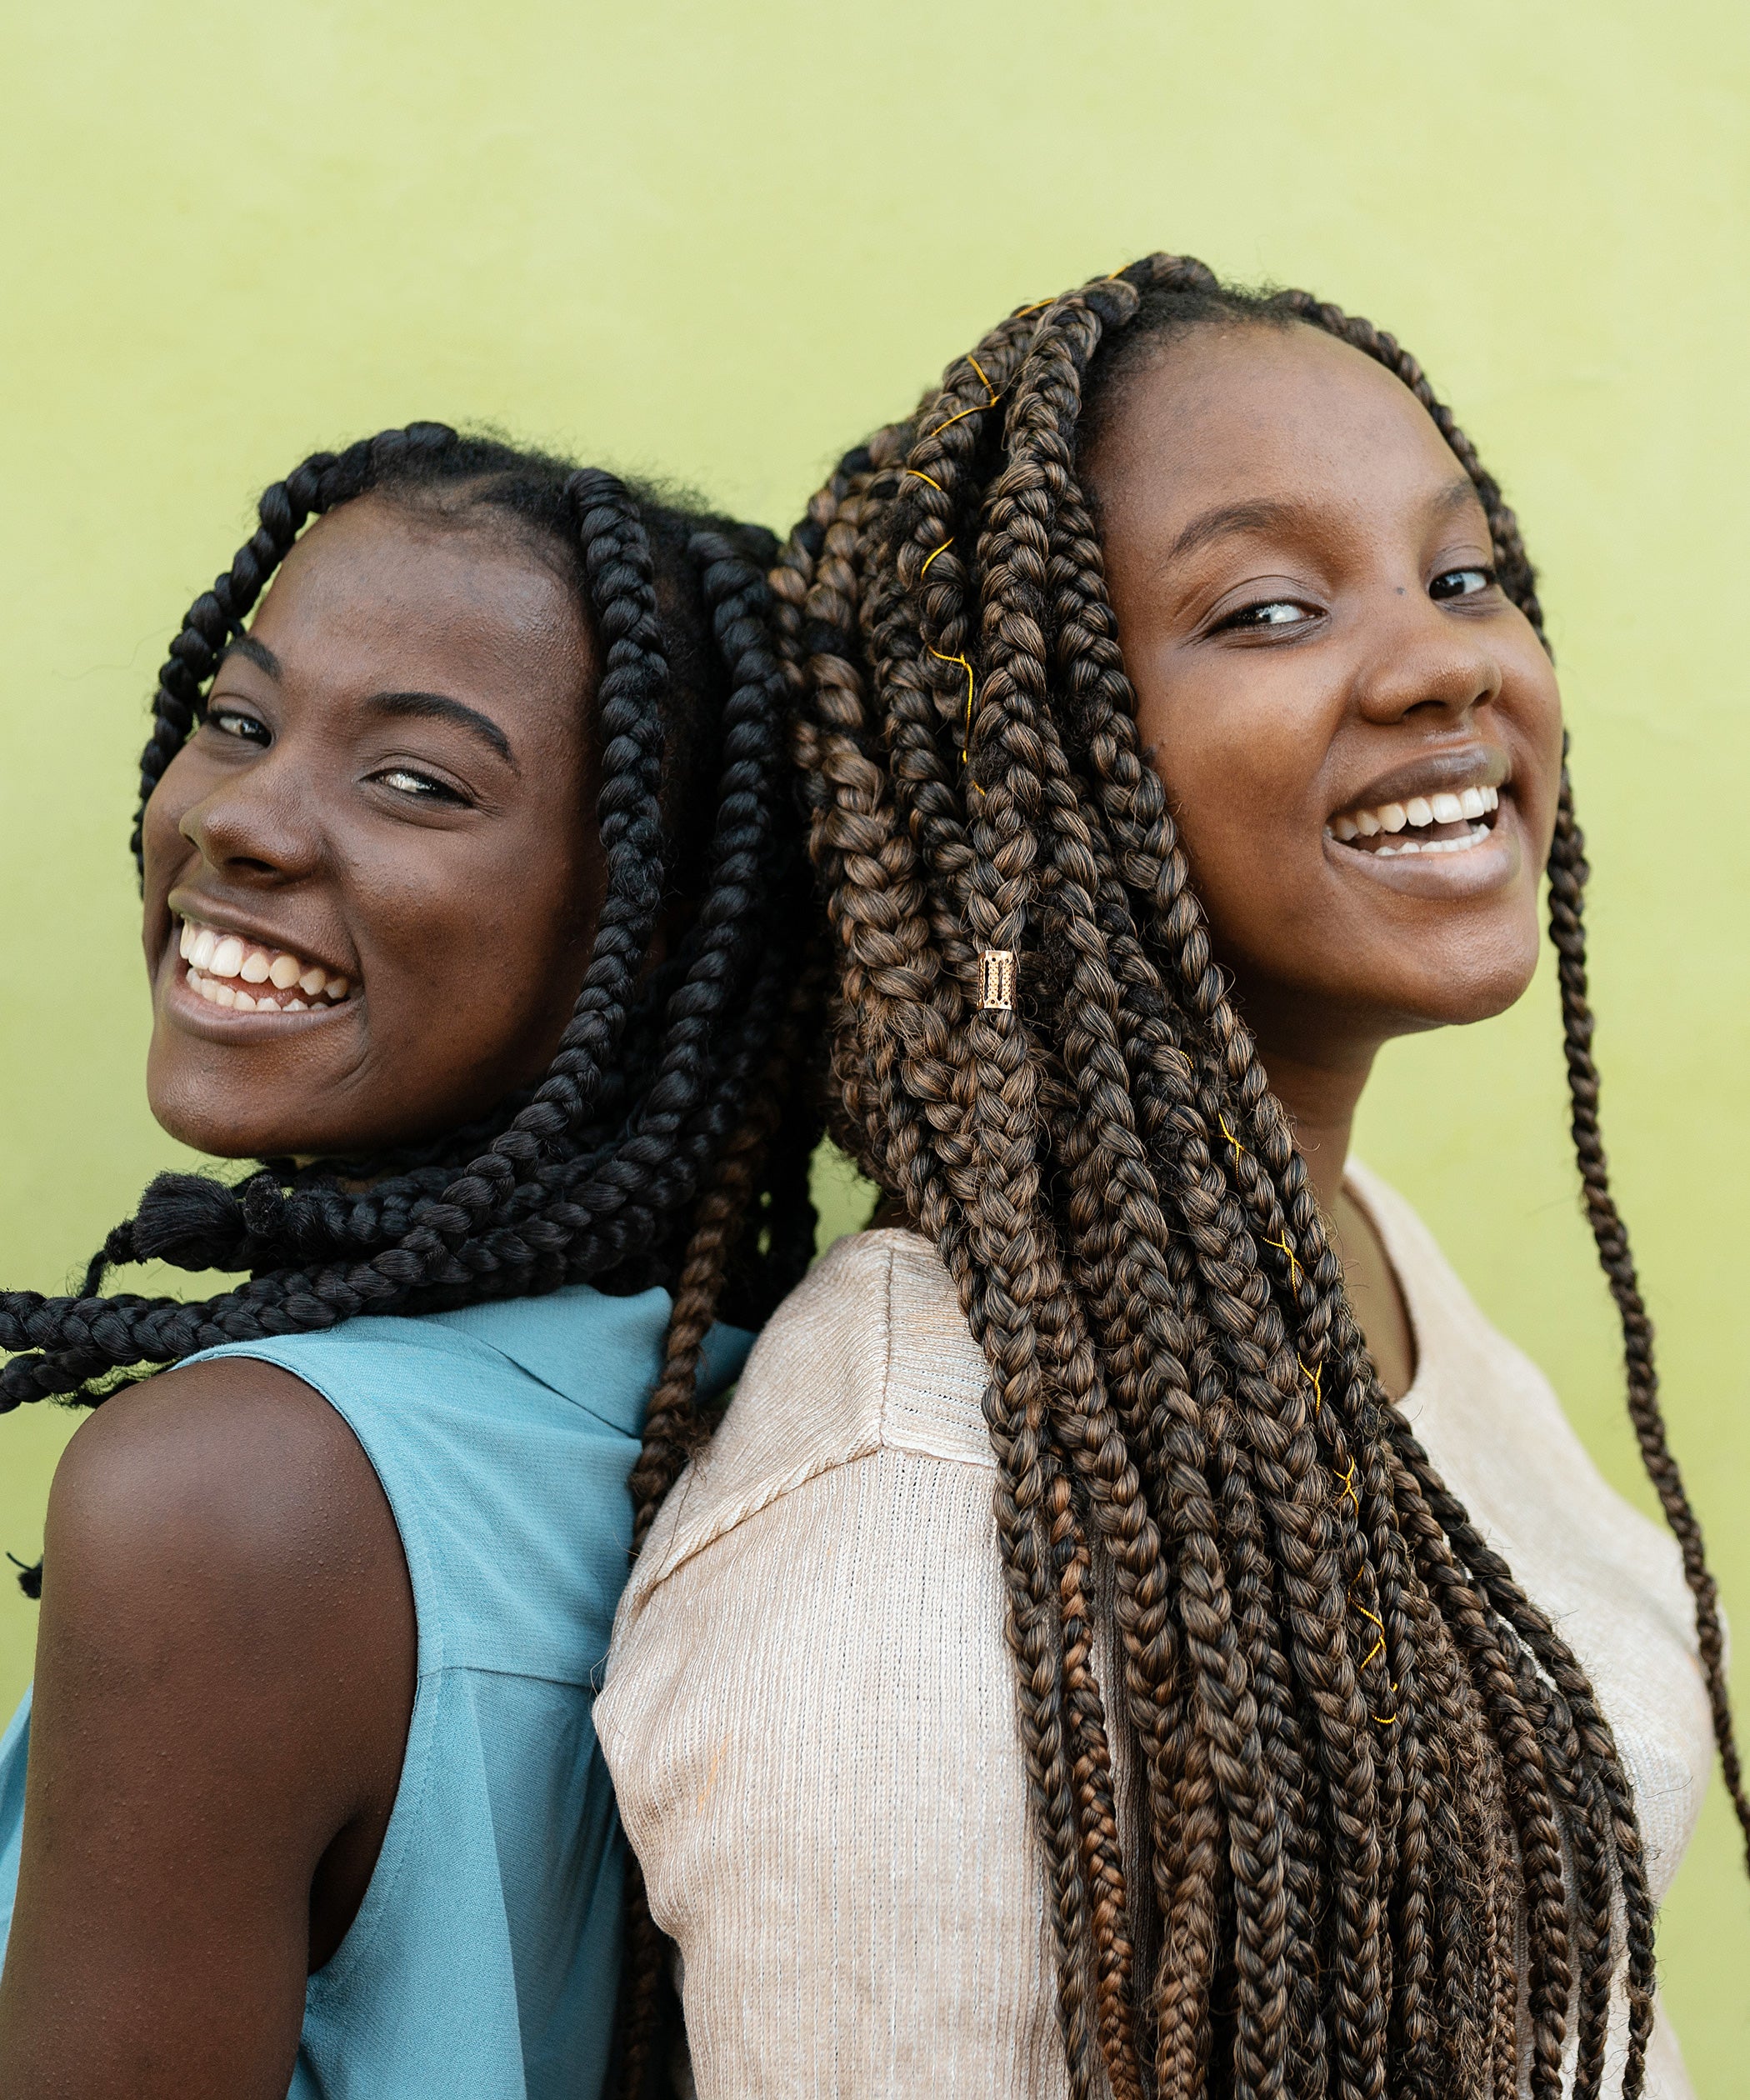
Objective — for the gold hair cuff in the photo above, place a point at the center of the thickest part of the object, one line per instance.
(997, 980)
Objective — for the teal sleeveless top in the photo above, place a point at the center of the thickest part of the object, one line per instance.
(484, 1959)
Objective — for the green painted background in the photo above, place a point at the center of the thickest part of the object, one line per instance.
(721, 241)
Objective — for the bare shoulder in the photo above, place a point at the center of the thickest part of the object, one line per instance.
(225, 1671)
(217, 1541)
(229, 1476)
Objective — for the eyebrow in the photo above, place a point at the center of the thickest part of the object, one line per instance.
(1269, 514)
(438, 706)
(430, 707)
(256, 653)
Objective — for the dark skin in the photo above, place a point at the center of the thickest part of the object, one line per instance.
(227, 1655)
(1304, 583)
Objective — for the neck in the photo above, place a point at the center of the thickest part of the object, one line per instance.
(1320, 1100)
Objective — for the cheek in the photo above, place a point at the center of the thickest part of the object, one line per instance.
(480, 963)
(1240, 766)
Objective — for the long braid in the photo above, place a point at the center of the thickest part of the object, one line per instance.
(1340, 1839)
(1567, 875)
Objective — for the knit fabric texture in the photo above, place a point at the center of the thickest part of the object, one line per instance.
(810, 1714)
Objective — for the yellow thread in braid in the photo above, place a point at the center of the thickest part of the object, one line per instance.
(1385, 1720)
(977, 407)
(1282, 1246)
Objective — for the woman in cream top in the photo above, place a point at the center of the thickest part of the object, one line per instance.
(1139, 1632)
(808, 1710)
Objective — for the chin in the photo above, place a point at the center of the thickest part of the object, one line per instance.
(222, 1136)
(1457, 999)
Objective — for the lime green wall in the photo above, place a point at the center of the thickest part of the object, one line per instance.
(721, 241)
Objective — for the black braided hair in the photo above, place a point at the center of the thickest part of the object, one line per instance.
(1365, 1757)
(675, 1113)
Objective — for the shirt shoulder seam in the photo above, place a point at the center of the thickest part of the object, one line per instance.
(883, 1449)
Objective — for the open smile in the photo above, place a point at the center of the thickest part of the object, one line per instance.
(1438, 823)
(1446, 825)
(230, 972)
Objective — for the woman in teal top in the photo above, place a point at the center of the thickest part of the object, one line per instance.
(471, 915)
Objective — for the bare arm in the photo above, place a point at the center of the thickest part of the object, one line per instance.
(225, 1673)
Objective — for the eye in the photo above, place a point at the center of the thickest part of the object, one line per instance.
(1462, 582)
(1266, 613)
(231, 721)
(418, 786)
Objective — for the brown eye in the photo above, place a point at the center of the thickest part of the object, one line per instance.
(417, 787)
(1268, 613)
(230, 723)
(1461, 583)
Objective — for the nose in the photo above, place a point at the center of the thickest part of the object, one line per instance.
(256, 822)
(1424, 661)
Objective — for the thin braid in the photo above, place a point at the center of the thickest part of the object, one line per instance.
(1179, 1390)
(1568, 876)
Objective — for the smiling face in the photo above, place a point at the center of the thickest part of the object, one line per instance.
(370, 876)
(1359, 734)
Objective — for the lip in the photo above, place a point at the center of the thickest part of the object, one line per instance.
(1435, 773)
(183, 905)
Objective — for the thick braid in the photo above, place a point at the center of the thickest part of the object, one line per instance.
(1352, 1727)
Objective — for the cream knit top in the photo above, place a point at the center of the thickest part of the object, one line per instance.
(809, 1711)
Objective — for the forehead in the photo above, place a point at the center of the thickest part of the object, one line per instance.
(375, 595)
(1250, 413)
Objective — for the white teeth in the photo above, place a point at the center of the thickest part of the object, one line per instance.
(1418, 811)
(1474, 836)
(214, 956)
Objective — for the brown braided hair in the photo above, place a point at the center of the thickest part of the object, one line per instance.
(1343, 1835)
